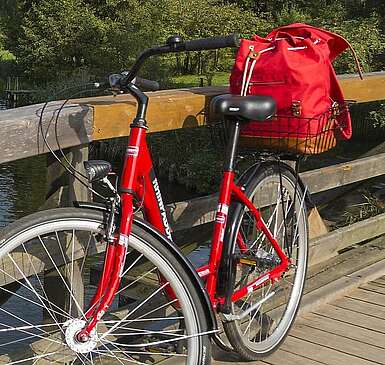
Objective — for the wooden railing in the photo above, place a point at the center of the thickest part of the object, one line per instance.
(85, 120)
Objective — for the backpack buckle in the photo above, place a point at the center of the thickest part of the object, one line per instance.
(296, 108)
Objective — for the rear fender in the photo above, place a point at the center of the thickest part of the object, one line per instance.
(226, 270)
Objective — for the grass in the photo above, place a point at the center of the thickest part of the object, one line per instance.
(219, 79)
(371, 207)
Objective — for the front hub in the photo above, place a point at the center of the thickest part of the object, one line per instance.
(78, 342)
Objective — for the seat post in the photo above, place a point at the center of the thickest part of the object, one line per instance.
(231, 148)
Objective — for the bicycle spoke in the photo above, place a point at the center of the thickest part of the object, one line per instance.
(103, 343)
(32, 358)
(25, 331)
(174, 354)
(41, 287)
(120, 359)
(86, 251)
(136, 280)
(145, 332)
(30, 285)
(132, 265)
(134, 310)
(185, 337)
(62, 313)
(72, 271)
(28, 300)
(140, 319)
(63, 280)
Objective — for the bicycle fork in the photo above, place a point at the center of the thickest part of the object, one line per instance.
(116, 250)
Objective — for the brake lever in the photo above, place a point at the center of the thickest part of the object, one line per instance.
(114, 83)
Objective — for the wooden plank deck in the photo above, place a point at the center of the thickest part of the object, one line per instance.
(349, 330)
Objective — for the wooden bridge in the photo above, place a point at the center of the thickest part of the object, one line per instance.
(324, 330)
(348, 330)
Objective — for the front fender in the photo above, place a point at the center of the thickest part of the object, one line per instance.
(183, 260)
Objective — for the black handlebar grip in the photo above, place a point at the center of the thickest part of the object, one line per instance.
(146, 84)
(231, 40)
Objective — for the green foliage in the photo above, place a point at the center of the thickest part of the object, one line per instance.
(187, 156)
(367, 39)
(59, 37)
(376, 115)
(53, 39)
(371, 207)
(291, 13)
(217, 79)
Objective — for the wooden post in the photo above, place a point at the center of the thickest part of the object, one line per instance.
(63, 190)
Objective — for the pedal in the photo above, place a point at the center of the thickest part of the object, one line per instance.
(247, 260)
(260, 258)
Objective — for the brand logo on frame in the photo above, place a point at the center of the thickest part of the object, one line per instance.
(162, 209)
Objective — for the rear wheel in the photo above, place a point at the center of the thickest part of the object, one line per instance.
(278, 196)
(49, 269)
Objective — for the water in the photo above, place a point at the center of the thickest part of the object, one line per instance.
(22, 188)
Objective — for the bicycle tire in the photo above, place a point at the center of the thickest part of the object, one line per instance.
(34, 249)
(262, 332)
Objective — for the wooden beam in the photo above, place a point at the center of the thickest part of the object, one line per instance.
(108, 117)
(202, 210)
(168, 109)
(371, 88)
(187, 107)
(325, 247)
(19, 129)
(334, 176)
(184, 108)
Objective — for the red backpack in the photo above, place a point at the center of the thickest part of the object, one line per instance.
(293, 64)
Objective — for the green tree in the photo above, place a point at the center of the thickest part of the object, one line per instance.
(205, 18)
(58, 37)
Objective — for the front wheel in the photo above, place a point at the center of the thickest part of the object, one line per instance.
(281, 201)
(50, 264)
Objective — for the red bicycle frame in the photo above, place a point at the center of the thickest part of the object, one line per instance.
(139, 182)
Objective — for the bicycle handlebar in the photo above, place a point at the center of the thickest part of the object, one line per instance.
(146, 84)
(231, 40)
(115, 82)
(175, 45)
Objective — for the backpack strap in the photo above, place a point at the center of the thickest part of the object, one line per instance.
(317, 32)
(359, 68)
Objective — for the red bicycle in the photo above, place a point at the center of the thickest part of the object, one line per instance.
(147, 303)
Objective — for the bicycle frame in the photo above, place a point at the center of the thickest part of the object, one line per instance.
(139, 181)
